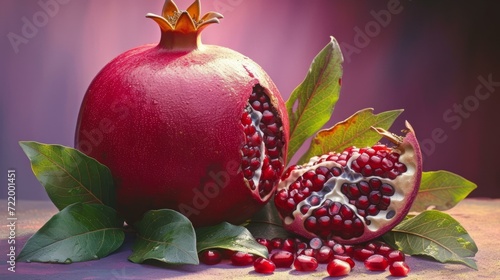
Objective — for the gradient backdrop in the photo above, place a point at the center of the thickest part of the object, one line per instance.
(428, 58)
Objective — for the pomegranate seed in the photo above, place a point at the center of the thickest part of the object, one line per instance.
(361, 254)
(282, 259)
(372, 246)
(338, 249)
(338, 267)
(324, 254)
(330, 243)
(346, 259)
(384, 250)
(308, 252)
(396, 256)
(399, 269)
(301, 245)
(242, 259)
(210, 257)
(264, 266)
(305, 263)
(266, 242)
(289, 245)
(376, 263)
(315, 243)
(277, 243)
(349, 250)
(226, 253)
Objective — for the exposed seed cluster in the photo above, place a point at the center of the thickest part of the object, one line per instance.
(262, 154)
(369, 197)
(364, 198)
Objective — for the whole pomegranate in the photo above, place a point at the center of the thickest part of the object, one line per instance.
(355, 195)
(196, 128)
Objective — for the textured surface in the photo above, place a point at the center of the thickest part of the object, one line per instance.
(480, 217)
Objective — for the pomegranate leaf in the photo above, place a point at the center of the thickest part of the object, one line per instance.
(354, 131)
(441, 190)
(166, 236)
(311, 104)
(69, 176)
(434, 234)
(228, 236)
(267, 223)
(79, 232)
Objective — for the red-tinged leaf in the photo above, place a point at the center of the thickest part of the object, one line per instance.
(354, 131)
(311, 104)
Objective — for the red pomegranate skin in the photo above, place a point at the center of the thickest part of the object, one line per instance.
(168, 125)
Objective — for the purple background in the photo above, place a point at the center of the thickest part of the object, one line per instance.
(425, 58)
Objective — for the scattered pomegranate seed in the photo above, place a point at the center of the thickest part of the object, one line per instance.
(305, 263)
(361, 254)
(277, 243)
(324, 254)
(265, 266)
(338, 267)
(346, 259)
(376, 263)
(242, 259)
(396, 256)
(283, 259)
(266, 242)
(399, 269)
(315, 243)
(210, 257)
(289, 245)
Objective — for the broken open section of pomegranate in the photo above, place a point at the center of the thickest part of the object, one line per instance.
(355, 195)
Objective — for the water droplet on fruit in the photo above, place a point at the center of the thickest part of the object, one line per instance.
(68, 260)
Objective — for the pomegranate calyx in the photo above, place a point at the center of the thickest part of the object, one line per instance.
(181, 29)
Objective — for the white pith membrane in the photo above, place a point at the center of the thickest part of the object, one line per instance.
(256, 116)
(403, 185)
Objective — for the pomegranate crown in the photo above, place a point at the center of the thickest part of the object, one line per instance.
(174, 20)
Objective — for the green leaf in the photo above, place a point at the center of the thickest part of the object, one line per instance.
(311, 104)
(354, 131)
(80, 232)
(70, 176)
(441, 190)
(434, 234)
(166, 236)
(267, 223)
(228, 236)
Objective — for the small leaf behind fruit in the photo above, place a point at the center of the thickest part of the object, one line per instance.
(267, 223)
(441, 190)
(354, 131)
(228, 236)
(69, 176)
(311, 104)
(434, 234)
(166, 236)
(80, 232)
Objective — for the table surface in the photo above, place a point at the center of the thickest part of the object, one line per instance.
(480, 217)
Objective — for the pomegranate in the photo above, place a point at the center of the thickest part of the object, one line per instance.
(197, 128)
(355, 195)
